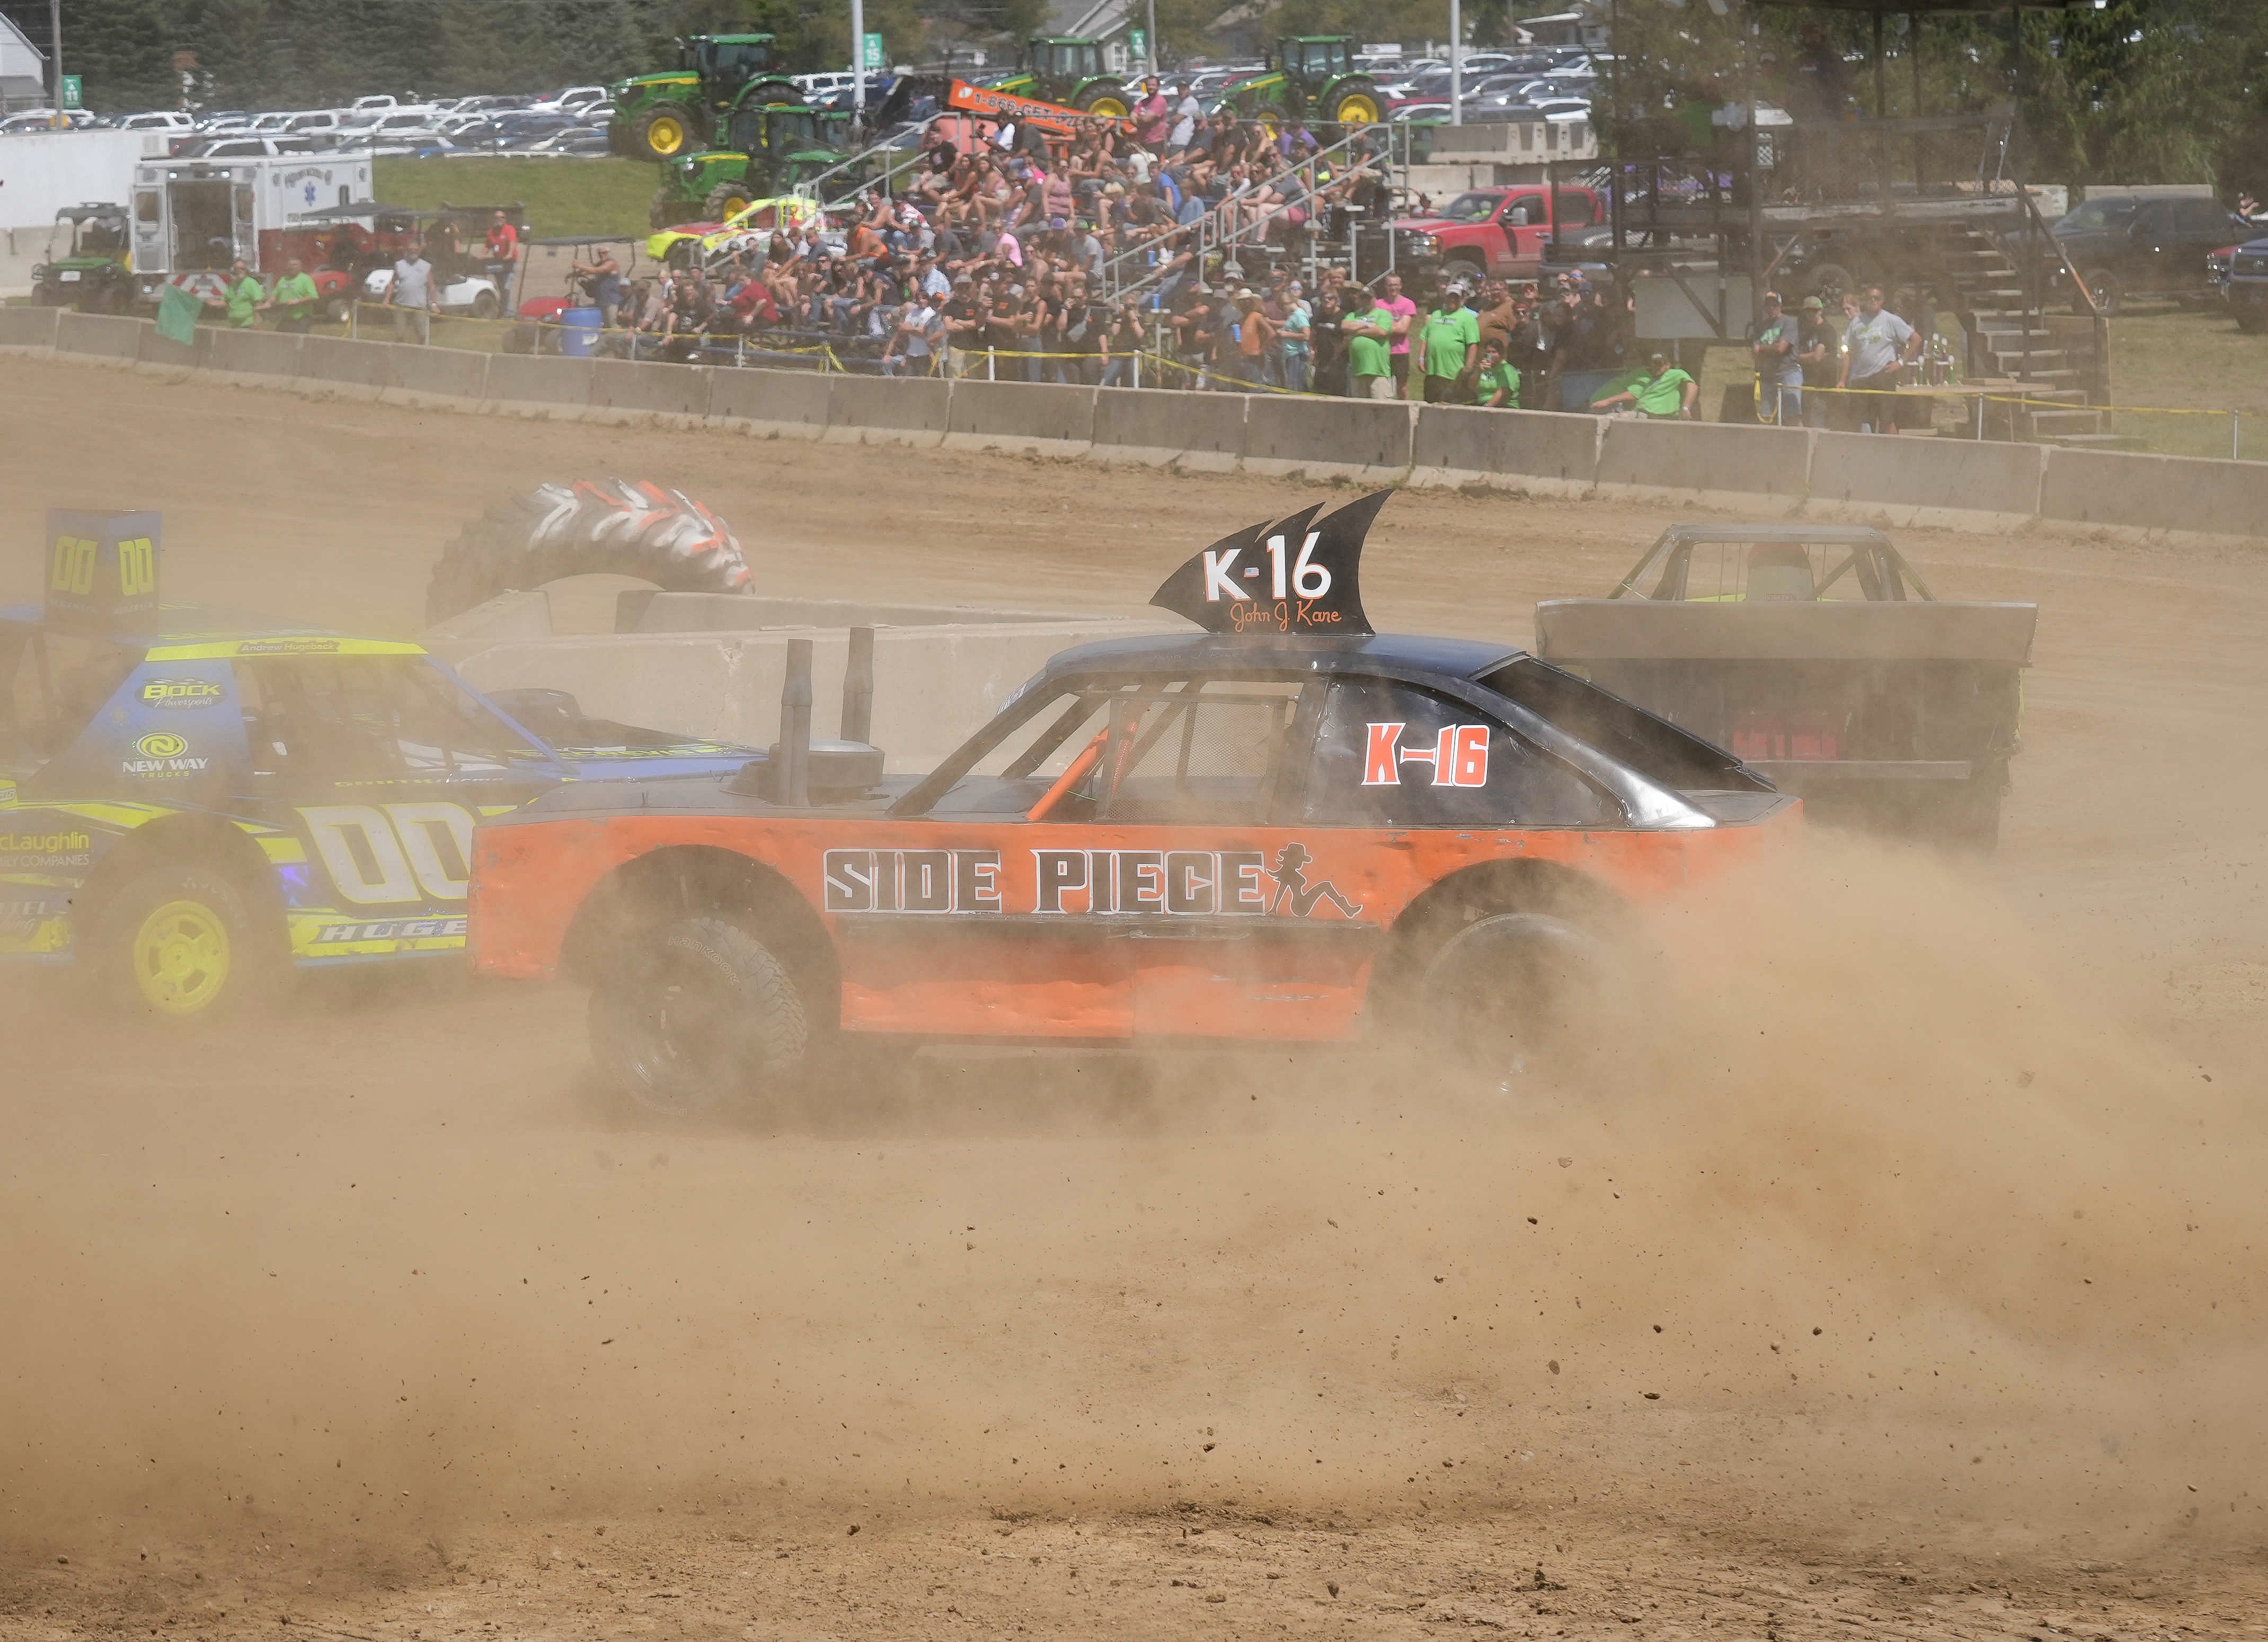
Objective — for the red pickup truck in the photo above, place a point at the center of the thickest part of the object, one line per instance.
(1500, 232)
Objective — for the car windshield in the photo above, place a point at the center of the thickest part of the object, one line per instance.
(2097, 214)
(1471, 208)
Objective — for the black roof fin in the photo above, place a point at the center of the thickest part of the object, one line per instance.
(1289, 577)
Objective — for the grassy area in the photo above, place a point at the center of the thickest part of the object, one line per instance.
(563, 197)
(2191, 361)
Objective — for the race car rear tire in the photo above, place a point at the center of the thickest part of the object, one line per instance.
(699, 1011)
(182, 946)
(613, 527)
(1513, 987)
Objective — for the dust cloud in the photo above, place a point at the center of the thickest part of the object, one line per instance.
(1883, 1219)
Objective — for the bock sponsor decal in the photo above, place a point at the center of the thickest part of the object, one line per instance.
(1173, 883)
(1279, 578)
(177, 693)
(162, 753)
(42, 850)
(1457, 756)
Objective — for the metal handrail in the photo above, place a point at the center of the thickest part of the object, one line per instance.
(1205, 238)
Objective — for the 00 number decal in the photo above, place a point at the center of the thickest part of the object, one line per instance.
(394, 853)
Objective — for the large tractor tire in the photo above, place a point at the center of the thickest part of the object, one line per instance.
(768, 93)
(616, 527)
(662, 132)
(1355, 101)
(1108, 98)
(727, 200)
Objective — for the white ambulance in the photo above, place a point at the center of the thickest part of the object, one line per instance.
(192, 218)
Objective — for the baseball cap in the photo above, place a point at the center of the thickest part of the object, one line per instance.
(1813, 302)
(1657, 358)
(1245, 293)
(1771, 295)
(1054, 222)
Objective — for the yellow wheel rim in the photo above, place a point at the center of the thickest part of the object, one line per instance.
(182, 958)
(1358, 110)
(1110, 107)
(734, 206)
(666, 135)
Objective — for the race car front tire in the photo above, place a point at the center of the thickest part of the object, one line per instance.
(697, 1011)
(613, 527)
(182, 946)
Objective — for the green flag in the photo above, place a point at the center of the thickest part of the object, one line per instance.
(177, 315)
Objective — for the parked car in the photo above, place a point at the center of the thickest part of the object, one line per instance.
(2128, 244)
(1500, 232)
(2245, 289)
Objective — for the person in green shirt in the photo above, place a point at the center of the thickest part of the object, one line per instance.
(293, 299)
(242, 295)
(1369, 332)
(1450, 332)
(1495, 384)
(1666, 391)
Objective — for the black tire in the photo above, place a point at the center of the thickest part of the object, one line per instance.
(520, 338)
(1466, 266)
(699, 1011)
(673, 125)
(768, 93)
(1828, 280)
(665, 209)
(484, 305)
(2108, 289)
(339, 308)
(184, 947)
(1113, 91)
(726, 198)
(1510, 989)
(616, 527)
(1355, 101)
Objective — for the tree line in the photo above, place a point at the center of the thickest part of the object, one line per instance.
(2139, 90)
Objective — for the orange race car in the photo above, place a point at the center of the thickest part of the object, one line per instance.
(1276, 829)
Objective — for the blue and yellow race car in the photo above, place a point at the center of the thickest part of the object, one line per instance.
(190, 806)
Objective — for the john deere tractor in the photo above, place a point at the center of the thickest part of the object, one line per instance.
(1069, 71)
(1313, 78)
(88, 267)
(657, 117)
(772, 147)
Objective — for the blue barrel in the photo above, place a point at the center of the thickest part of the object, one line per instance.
(578, 337)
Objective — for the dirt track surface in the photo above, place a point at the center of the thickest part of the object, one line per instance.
(1905, 1278)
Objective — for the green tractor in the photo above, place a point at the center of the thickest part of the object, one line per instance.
(1069, 72)
(88, 266)
(1313, 78)
(773, 147)
(658, 116)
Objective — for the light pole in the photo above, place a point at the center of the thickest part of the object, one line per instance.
(1456, 63)
(858, 61)
(56, 56)
(1150, 41)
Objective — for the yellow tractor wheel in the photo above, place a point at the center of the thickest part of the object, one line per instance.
(1108, 107)
(661, 133)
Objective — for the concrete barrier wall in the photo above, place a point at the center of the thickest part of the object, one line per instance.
(630, 385)
(1917, 481)
(1339, 439)
(1704, 457)
(105, 336)
(793, 404)
(449, 372)
(28, 327)
(255, 353)
(1047, 419)
(933, 687)
(1154, 425)
(539, 379)
(1927, 481)
(346, 362)
(2156, 492)
(877, 410)
(1538, 450)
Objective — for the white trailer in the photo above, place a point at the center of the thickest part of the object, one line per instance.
(192, 218)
